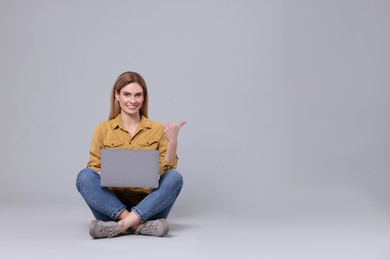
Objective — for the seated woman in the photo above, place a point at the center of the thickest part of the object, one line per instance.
(142, 210)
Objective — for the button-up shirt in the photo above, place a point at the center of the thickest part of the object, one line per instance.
(148, 136)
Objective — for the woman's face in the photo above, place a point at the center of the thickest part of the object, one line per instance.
(130, 98)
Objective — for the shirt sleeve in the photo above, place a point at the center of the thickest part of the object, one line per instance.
(94, 152)
(164, 165)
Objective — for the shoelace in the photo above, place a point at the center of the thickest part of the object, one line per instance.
(147, 228)
(111, 230)
(138, 229)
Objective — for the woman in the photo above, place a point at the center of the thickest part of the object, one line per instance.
(141, 210)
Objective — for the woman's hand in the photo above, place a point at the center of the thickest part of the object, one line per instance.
(172, 130)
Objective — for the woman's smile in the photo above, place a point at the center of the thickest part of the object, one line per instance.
(132, 106)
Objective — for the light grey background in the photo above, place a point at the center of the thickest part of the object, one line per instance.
(287, 102)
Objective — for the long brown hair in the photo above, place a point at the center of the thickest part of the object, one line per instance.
(123, 80)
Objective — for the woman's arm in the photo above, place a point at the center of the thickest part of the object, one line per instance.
(94, 152)
(171, 133)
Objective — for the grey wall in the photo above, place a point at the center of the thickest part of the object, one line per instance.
(286, 101)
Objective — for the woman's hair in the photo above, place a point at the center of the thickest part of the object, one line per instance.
(123, 80)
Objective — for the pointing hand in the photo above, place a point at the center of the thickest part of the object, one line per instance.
(172, 130)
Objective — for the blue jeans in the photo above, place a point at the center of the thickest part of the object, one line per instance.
(106, 206)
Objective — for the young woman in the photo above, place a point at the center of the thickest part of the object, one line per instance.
(140, 210)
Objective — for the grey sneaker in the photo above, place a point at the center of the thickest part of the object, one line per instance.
(101, 229)
(157, 228)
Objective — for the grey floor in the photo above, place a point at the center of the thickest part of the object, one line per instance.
(50, 231)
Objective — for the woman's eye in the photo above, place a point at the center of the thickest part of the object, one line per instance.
(126, 94)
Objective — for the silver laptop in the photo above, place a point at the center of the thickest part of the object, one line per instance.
(129, 168)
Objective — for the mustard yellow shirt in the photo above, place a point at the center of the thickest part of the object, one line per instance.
(148, 136)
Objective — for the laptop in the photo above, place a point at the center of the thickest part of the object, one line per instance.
(129, 168)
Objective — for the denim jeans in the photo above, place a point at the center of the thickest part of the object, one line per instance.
(106, 206)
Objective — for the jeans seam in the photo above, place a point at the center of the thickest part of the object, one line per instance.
(118, 212)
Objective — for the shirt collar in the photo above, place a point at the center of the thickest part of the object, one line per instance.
(117, 122)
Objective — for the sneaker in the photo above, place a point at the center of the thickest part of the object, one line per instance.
(101, 229)
(157, 228)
